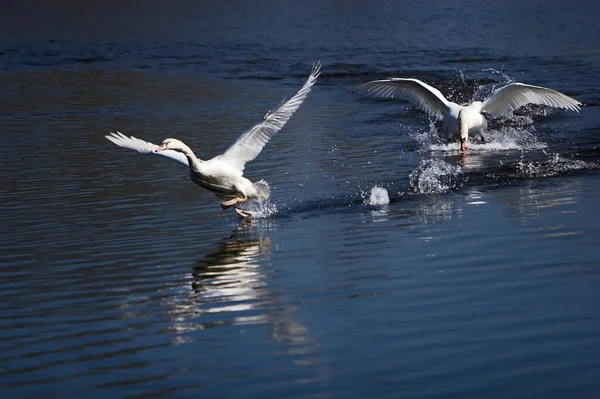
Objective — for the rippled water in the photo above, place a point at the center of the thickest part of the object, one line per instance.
(384, 265)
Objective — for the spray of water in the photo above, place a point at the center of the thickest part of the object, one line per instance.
(555, 165)
(434, 176)
(377, 196)
(261, 209)
(504, 134)
(505, 139)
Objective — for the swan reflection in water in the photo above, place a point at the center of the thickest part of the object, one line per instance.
(232, 286)
(230, 279)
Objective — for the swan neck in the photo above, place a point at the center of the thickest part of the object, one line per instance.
(193, 160)
(463, 121)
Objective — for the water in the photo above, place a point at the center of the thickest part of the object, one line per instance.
(382, 266)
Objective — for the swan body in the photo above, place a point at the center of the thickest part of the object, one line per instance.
(223, 174)
(217, 175)
(462, 121)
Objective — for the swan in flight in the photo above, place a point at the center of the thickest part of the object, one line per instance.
(223, 174)
(459, 121)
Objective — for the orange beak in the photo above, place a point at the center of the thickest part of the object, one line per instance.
(463, 145)
(162, 147)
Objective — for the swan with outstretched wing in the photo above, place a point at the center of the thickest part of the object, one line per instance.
(223, 174)
(461, 121)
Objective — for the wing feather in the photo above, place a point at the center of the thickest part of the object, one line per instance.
(422, 95)
(251, 143)
(144, 147)
(503, 101)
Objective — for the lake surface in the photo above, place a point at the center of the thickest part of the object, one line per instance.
(383, 265)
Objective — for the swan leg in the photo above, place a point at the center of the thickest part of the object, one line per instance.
(482, 138)
(232, 202)
(242, 213)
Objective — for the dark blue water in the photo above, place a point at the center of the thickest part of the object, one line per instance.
(382, 266)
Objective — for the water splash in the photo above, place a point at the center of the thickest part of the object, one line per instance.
(505, 139)
(377, 196)
(485, 90)
(506, 133)
(261, 209)
(434, 176)
(555, 165)
(430, 138)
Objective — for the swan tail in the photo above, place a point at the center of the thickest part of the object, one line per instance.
(263, 191)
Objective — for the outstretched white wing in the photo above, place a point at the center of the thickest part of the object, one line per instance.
(249, 145)
(425, 97)
(144, 147)
(505, 100)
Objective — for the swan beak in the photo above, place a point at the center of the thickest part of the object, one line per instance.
(162, 147)
(463, 145)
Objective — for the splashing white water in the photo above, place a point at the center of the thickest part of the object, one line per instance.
(504, 134)
(434, 176)
(505, 139)
(485, 90)
(261, 209)
(378, 196)
(555, 165)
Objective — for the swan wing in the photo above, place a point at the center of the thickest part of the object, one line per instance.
(250, 143)
(422, 95)
(144, 147)
(503, 101)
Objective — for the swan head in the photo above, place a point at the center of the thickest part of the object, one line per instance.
(172, 144)
(463, 123)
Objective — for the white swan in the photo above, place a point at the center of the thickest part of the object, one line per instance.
(460, 121)
(223, 174)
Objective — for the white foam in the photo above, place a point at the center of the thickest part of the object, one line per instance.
(487, 147)
(434, 176)
(555, 165)
(378, 196)
(521, 137)
(261, 209)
